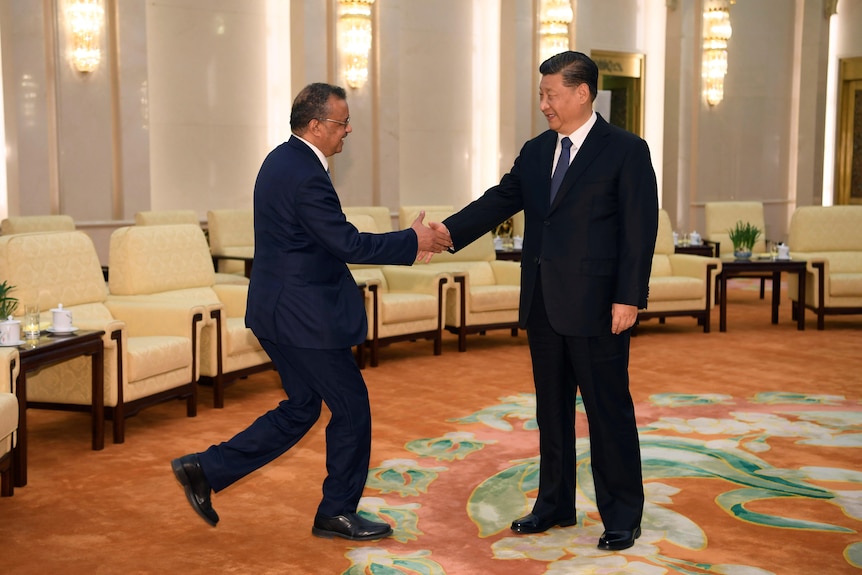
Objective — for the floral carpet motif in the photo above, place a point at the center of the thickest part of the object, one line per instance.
(716, 467)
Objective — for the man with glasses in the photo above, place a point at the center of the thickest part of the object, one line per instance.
(305, 308)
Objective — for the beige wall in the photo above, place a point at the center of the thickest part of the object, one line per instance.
(192, 94)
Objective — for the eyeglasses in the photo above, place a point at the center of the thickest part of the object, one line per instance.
(344, 123)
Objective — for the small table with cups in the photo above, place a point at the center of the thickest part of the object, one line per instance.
(51, 347)
(731, 267)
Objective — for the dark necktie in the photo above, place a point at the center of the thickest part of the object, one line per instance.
(562, 166)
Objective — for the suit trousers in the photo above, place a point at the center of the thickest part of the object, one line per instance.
(598, 367)
(309, 377)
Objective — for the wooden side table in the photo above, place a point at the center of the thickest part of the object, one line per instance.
(512, 255)
(48, 350)
(731, 268)
(699, 250)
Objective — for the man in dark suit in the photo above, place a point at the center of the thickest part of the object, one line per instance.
(307, 312)
(588, 242)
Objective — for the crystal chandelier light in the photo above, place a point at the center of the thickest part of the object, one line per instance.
(716, 33)
(555, 16)
(85, 18)
(355, 34)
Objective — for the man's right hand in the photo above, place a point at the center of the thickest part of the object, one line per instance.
(431, 241)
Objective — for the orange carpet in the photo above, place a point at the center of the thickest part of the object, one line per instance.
(750, 440)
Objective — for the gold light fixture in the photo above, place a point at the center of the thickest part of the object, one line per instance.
(716, 33)
(355, 34)
(85, 18)
(555, 17)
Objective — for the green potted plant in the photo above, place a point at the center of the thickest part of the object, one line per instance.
(743, 236)
(8, 304)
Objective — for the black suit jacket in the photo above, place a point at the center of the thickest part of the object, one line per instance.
(593, 247)
(302, 293)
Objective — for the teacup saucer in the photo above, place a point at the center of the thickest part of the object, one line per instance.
(72, 329)
(13, 344)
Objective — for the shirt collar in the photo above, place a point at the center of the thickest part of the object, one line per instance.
(317, 152)
(578, 136)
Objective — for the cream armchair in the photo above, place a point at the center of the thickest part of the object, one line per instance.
(721, 217)
(231, 237)
(29, 224)
(9, 366)
(485, 292)
(150, 351)
(679, 284)
(173, 263)
(829, 240)
(402, 303)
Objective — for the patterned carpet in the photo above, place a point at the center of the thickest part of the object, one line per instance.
(750, 439)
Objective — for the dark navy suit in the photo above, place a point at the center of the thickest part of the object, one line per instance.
(305, 308)
(589, 249)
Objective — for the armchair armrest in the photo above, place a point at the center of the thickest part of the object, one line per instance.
(210, 305)
(9, 365)
(506, 272)
(693, 266)
(110, 327)
(158, 318)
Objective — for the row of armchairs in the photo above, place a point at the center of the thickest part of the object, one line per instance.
(167, 324)
(466, 292)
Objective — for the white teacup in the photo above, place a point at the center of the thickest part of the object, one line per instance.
(62, 319)
(10, 332)
(783, 252)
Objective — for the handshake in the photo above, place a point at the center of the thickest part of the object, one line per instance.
(433, 238)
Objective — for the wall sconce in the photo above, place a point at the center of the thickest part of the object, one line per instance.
(85, 18)
(716, 33)
(555, 17)
(355, 34)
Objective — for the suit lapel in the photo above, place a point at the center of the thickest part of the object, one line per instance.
(594, 143)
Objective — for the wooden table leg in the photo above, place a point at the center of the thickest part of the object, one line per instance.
(19, 454)
(722, 306)
(776, 295)
(98, 396)
(800, 311)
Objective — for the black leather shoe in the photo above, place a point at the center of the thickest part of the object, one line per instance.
(618, 540)
(534, 524)
(188, 472)
(349, 526)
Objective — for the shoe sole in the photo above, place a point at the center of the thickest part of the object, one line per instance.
(327, 534)
(186, 482)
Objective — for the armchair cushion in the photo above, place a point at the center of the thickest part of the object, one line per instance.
(155, 355)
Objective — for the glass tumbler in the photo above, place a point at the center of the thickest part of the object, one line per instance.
(32, 321)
